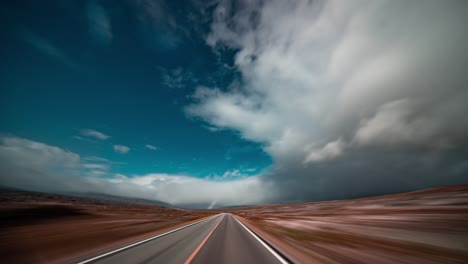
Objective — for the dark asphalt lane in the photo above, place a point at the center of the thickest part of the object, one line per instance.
(172, 248)
(231, 243)
(219, 240)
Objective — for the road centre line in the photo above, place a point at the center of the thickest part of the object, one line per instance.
(143, 241)
(202, 243)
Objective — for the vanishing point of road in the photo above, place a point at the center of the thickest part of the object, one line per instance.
(218, 239)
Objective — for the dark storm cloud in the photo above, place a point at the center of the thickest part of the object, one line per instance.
(349, 98)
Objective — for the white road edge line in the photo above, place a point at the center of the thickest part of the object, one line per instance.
(272, 251)
(143, 241)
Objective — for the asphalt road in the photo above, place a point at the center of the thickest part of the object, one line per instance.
(231, 243)
(219, 239)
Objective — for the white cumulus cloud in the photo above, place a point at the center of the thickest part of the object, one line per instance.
(121, 149)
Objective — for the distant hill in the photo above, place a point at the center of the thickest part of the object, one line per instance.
(89, 195)
(120, 199)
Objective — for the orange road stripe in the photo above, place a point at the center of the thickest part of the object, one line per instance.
(202, 243)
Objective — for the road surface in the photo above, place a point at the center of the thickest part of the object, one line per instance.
(219, 239)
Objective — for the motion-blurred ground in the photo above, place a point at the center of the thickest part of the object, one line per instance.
(48, 228)
(429, 226)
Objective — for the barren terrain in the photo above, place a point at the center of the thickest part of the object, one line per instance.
(429, 226)
(48, 228)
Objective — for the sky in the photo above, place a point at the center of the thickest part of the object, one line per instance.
(220, 103)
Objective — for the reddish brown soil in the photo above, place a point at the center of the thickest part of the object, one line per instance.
(48, 228)
(429, 226)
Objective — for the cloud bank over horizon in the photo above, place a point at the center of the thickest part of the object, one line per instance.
(34, 165)
(349, 98)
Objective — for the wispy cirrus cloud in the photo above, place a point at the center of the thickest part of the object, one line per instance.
(121, 149)
(98, 166)
(95, 159)
(47, 48)
(99, 23)
(94, 134)
(177, 78)
(148, 146)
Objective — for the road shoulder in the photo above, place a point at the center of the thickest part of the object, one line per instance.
(291, 253)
